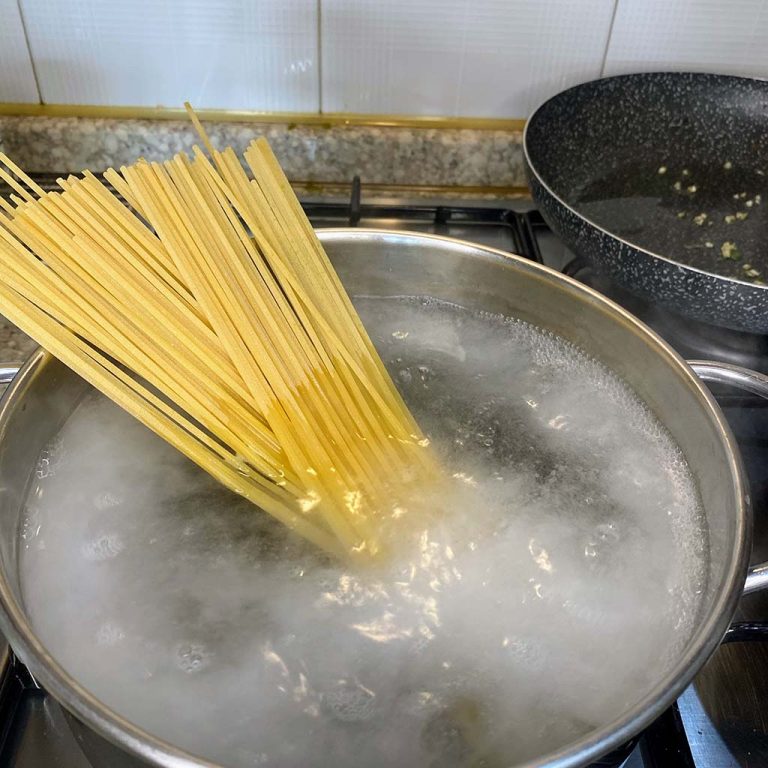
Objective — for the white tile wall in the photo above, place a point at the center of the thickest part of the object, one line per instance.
(727, 36)
(17, 79)
(235, 54)
(493, 58)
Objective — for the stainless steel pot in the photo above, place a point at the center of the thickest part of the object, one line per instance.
(44, 394)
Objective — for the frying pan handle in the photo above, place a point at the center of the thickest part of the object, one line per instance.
(7, 373)
(757, 384)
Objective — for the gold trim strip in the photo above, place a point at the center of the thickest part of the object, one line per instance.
(292, 119)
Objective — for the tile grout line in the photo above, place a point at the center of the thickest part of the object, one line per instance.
(29, 52)
(610, 35)
(320, 57)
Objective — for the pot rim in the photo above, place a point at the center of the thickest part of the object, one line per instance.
(706, 638)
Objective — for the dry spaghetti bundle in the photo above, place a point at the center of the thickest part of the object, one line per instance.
(209, 311)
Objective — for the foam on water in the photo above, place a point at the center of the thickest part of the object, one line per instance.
(562, 575)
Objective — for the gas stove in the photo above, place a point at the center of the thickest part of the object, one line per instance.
(721, 721)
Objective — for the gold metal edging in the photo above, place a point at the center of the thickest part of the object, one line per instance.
(292, 119)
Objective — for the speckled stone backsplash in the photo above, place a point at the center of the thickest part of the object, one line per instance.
(399, 156)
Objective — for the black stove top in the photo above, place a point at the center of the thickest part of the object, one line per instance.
(722, 720)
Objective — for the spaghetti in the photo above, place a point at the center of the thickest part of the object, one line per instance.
(208, 309)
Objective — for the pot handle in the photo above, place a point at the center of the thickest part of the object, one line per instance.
(757, 384)
(7, 373)
(747, 632)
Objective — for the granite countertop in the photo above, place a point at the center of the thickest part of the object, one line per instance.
(438, 162)
(15, 346)
(442, 157)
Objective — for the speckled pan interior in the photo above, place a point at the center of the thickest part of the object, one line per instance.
(661, 180)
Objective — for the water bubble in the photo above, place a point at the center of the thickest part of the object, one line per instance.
(420, 703)
(602, 539)
(350, 702)
(192, 657)
(109, 633)
(526, 652)
(106, 500)
(31, 527)
(50, 459)
(103, 547)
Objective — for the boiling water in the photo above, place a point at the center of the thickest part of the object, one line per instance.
(562, 576)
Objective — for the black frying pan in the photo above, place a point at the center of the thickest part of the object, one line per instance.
(661, 181)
